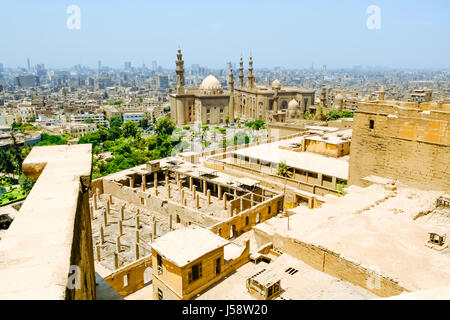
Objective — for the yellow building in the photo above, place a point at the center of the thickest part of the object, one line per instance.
(187, 261)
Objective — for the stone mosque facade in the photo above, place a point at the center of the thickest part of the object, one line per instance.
(211, 104)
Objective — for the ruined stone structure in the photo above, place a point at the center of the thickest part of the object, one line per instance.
(408, 142)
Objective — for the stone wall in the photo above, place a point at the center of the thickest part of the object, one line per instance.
(405, 144)
(134, 272)
(47, 252)
(256, 214)
(332, 263)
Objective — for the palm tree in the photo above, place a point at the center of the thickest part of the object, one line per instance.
(284, 170)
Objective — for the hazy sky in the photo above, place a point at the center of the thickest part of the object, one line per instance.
(286, 33)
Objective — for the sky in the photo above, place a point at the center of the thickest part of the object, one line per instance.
(284, 33)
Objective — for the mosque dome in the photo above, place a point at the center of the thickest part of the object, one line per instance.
(293, 105)
(276, 84)
(339, 98)
(210, 82)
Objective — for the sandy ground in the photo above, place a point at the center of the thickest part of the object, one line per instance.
(383, 237)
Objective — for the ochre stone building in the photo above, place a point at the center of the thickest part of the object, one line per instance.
(211, 104)
(408, 142)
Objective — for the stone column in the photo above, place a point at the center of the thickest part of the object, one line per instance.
(118, 244)
(209, 196)
(151, 237)
(137, 251)
(194, 192)
(108, 207)
(166, 177)
(132, 181)
(98, 253)
(182, 197)
(219, 192)
(225, 201)
(120, 227)
(155, 179)
(138, 224)
(154, 229)
(168, 190)
(102, 235)
(144, 182)
(205, 186)
(190, 183)
(116, 260)
(105, 218)
(111, 199)
(137, 236)
(91, 211)
(122, 212)
(198, 201)
(170, 222)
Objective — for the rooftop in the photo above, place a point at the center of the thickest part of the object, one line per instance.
(186, 245)
(300, 160)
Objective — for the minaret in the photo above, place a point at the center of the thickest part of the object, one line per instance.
(231, 102)
(180, 72)
(241, 73)
(323, 97)
(381, 93)
(250, 77)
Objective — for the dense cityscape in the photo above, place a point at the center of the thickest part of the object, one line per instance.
(185, 182)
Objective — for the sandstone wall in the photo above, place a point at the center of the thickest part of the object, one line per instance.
(405, 144)
(332, 263)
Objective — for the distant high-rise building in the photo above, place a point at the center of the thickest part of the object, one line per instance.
(40, 70)
(127, 65)
(1, 67)
(99, 65)
(27, 81)
(162, 81)
(154, 65)
(28, 63)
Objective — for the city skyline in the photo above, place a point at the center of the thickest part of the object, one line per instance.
(298, 34)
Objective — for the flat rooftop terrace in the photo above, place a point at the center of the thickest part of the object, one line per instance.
(305, 284)
(383, 230)
(309, 161)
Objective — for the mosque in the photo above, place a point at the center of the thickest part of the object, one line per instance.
(211, 104)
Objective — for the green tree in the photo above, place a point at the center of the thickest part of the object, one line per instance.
(129, 129)
(284, 170)
(115, 122)
(164, 126)
(26, 183)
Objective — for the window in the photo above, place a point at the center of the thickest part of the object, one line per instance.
(270, 208)
(327, 178)
(160, 294)
(178, 219)
(371, 124)
(159, 261)
(246, 220)
(218, 267)
(195, 273)
(125, 280)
